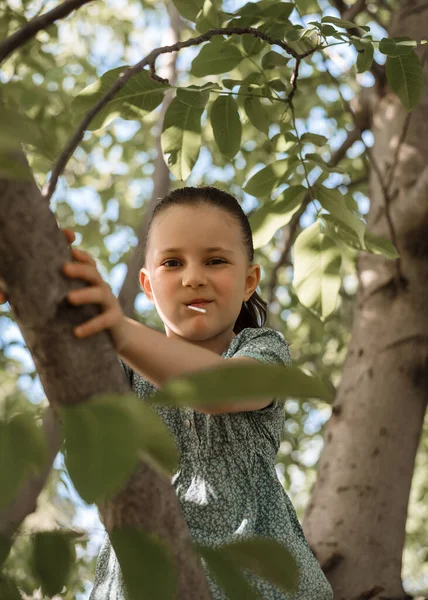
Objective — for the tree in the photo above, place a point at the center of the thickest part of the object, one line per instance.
(278, 63)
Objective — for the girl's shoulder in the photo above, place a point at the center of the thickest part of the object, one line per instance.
(262, 343)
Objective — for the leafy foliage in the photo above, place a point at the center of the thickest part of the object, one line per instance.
(242, 119)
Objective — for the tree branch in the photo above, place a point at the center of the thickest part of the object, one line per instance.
(23, 35)
(284, 259)
(349, 13)
(150, 61)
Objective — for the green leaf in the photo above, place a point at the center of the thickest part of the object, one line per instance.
(399, 46)
(267, 558)
(252, 45)
(273, 59)
(134, 101)
(181, 137)
(277, 12)
(218, 56)
(328, 30)
(101, 444)
(52, 559)
(231, 383)
(257, 114)
(318, 161)
(317, 262)
(106, 436)
(374, 244)
(334, 202)
(314, 138)
(274, 215)
(146, 563)
(267, 179)
(23, 452)
(365, 59)
(188, 8)
(195, 95)
(344, 23)
(377, 244)
(226, 125)
(405, 76)
(209, 17)
(231, 83)
(8, 589)
(227, 575)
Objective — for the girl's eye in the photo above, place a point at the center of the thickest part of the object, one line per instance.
(165, 264)
(168, 261)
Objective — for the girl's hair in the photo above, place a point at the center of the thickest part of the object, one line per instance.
(253, 312)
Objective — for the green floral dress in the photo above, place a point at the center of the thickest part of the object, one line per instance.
(227, 484)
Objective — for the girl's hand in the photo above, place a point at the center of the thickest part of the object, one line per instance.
(99, 292)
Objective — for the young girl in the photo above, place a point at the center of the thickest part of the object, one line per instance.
(199, 252)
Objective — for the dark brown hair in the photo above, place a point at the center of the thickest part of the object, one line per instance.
(253, 312)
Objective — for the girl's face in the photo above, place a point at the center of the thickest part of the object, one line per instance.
(181, 266)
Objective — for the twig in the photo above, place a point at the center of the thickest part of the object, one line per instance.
(293, 81)
(150, 61)
(29, 30)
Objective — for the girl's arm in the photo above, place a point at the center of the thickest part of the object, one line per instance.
(158, 358)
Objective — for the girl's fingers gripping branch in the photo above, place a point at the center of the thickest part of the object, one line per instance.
(98, 292)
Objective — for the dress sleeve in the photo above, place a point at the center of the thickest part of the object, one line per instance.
(265, 345)
(268, 347)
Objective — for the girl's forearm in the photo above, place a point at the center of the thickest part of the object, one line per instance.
(158, 358)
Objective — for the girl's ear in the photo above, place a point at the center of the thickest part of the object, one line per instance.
(145, 284)
(252, 281)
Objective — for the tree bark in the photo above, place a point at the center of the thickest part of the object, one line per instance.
(32, 252)
(161, 180)
(355, 521)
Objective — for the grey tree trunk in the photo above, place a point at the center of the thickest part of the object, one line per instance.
(355, 521)
(32, 252)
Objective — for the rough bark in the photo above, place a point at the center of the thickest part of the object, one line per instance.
(355, 521)
(161, 180)
(32, 252)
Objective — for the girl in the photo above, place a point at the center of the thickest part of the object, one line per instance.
(199, 252)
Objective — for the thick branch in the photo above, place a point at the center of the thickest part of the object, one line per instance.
(23, 35)
(150, 61)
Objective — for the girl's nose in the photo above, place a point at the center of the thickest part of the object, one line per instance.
(194, 276)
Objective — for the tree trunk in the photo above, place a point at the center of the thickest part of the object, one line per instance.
(32, 252)
(356, 519)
